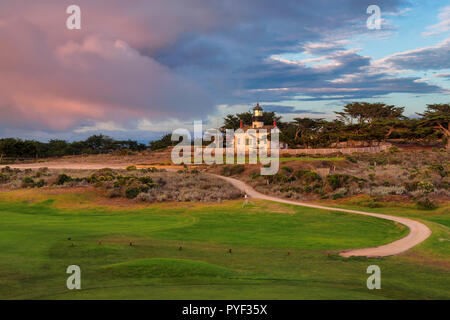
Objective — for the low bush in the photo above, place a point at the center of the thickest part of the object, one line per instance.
(351, 159)
(369, 203)
(27, 182)
(277, 178)
(255, 175)
(232, 170)
(439, 169)
(63, 178)
(289, 189)
(4, 178)
(40, 183)
(287, 169)
(337, 196)
(338, 180)
(146, 180)
(411, 186)
(425, 186)
(132, 192)
(307, 176)
(6, 169)
(394, 149)
(426, 204)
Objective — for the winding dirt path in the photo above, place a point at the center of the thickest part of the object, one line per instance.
(417, 234)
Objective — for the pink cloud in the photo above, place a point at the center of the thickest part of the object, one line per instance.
(59, 79)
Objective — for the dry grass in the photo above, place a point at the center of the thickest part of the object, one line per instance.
(144, 185)
(410, 175)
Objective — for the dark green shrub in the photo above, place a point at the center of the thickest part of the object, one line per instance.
(160, 183)
(337, 196)
(114, 193)
(226, 171)
(307, 176)
(381, 161)
(370, 203)
(63, 178)
(337, 181)
(395, 161)
(146, 180)
(119, 182)
(7, 169)
(4, 178)
(27, 182)
(233, 170)
(440, 169)
(411, 186)
(132, 192)
(255, 175)
(287, 169)
(40, 183)
(43, 170)
(351, 159)
(394, 149)
(426, 204)
(277, 178)
(289, 189)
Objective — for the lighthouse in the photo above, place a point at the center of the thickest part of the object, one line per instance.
(257, 119)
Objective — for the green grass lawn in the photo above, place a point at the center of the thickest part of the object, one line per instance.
(35, 252)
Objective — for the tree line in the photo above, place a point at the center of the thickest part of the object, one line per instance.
(96, 144)
(358, 121)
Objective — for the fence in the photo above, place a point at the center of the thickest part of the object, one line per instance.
(383, 147)
(374, 149)
(6, 160)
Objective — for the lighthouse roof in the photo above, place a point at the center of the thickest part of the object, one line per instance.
(257, 107)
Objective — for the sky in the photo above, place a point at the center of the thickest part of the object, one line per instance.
(141, 68)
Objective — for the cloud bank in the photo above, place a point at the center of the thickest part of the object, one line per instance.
(149, 61)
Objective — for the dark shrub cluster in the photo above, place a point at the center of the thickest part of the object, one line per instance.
(427, 204)
(232, 170)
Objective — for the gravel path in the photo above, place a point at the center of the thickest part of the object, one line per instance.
(417, 234)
